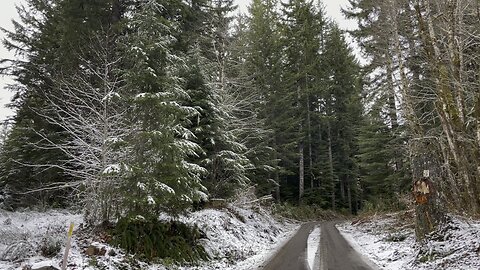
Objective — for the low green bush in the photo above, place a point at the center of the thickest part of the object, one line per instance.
(152, 239)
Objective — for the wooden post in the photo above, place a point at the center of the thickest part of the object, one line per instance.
(67, 247)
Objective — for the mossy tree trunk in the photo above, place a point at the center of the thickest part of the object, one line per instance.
(427, 173)
(427, 212)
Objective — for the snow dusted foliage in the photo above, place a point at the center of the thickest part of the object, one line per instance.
(389, 241)
(122, 122)
(87, 108)
(223, 155)
(160, 178)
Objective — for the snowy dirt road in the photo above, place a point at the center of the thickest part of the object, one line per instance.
(335, 252)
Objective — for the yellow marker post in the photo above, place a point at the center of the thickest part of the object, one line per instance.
(67, 247)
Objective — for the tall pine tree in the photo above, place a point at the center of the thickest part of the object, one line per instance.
(343, 110)
(159, 176)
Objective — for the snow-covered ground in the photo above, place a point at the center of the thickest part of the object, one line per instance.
(389, 241)
(237, 238)
(23, 235)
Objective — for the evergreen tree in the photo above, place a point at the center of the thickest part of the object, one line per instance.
(159, 176)
(384, 90)
(343, 112)
(302, 28)
(262, 63)
(212, 90)
(375, 161)
(246, 103)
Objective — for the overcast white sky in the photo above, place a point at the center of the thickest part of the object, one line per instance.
(8, 12)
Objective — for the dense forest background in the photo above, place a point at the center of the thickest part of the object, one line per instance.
(149, 106)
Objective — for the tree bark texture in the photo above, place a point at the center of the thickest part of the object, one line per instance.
(330, 165)
(446, 61)
(427, 211)
(301, 172)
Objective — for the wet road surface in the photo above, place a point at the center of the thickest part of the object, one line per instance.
(335, 252)
(292, 255)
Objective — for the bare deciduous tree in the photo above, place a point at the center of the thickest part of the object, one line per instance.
(87, 107)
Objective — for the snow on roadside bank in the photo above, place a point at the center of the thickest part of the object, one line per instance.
(390, 243)
(237, 238)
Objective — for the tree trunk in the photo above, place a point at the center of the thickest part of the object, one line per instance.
(342, 190)
(117, 11)
(456, 56)
(277, 188)
(320, 139)
(349, 196)
(453, 190)
(310, 155)
(477, 117)
(425, 172)
(428, 216)
(277, 178)
(447, 113)
(392, 108)
(301, 172)
(330, 164)
(404, 82)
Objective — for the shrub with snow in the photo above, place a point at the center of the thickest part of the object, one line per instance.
(52, 241)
